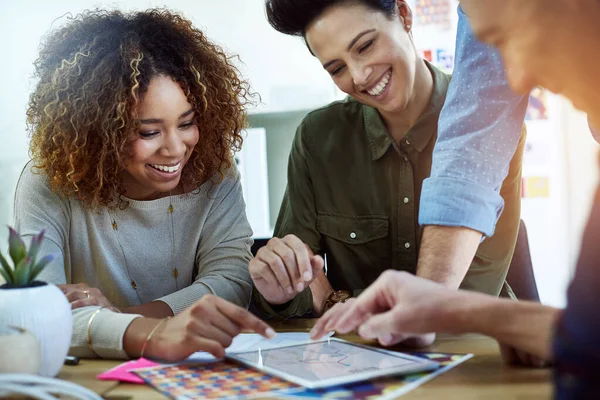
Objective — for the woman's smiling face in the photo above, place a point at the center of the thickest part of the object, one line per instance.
(167, 137)
(369, 54)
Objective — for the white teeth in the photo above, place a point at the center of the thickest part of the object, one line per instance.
(165, 168)
(377, 90)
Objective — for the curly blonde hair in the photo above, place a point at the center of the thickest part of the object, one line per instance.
(93, 74)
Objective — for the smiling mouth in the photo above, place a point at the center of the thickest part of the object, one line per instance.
(380, 87)
(166, 168)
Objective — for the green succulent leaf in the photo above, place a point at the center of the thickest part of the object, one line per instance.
(25, 269)
(6, 270)
(34, 246)
(16, 247)
(6, 277)
(40, 265)
(23, 272)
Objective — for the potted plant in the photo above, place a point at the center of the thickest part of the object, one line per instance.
(33, 306)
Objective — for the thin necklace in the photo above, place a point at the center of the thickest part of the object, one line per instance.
(173, 265)
(174, 270)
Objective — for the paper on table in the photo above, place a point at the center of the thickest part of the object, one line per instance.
(252, 341)
(121, 371)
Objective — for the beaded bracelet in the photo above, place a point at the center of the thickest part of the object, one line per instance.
(151, 334)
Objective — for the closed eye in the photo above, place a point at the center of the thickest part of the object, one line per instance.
(337, 70)
(187, 125)
(148, 135)
(366, 46)
(151, 134)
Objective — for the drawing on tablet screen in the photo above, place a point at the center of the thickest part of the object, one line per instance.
(322, 360)
(324, 355)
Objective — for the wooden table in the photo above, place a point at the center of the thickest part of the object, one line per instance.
(482, 377)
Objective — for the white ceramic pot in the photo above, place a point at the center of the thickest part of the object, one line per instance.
(45, 312)
(20, 351)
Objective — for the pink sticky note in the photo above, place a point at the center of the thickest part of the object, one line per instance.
(121, 372)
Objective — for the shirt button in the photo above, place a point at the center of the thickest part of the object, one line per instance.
(352, 235)
(133, 285)
(407, 245)
(405, 200)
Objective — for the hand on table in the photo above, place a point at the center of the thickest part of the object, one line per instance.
(283, 268)
(81, 295)
(210, 324)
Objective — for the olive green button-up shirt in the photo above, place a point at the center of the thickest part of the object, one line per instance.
(353, 194)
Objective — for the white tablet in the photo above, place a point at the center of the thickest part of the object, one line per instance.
(330, 362)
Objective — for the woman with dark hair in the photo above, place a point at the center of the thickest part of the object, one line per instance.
(133, 124)
(357, 166)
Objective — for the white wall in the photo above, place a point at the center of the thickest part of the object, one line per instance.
(280, 128)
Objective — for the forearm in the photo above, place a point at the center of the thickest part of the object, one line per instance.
(527, 326)
(154, 309)
(446, 253)
(136, 334)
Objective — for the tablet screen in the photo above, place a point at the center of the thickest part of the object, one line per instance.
(328, 360)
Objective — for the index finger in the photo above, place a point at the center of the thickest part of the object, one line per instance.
(329, 318)
(244, 319)
(366, 305)
(302, 256)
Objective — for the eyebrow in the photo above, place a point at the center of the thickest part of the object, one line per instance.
(158, 121)
(352, 43)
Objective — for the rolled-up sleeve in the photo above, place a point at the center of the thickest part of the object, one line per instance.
(479, 129)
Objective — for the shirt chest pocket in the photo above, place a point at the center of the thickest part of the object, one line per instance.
(352, 229)
(359, 244)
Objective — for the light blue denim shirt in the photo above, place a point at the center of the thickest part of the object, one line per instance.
(478, 132)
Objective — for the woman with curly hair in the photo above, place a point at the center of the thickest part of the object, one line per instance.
(133, 125)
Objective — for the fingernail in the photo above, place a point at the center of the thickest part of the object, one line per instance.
(343, 329)
(307, 276)
(385, 339)
(364, 332)
(270, 333)
(289, 290)
(299, 286)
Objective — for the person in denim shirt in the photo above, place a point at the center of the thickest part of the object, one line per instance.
(545, 43)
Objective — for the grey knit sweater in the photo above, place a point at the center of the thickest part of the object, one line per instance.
(131, 254)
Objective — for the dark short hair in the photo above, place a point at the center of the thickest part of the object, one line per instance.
(293, 16)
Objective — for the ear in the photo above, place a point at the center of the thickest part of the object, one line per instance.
(404, 14)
